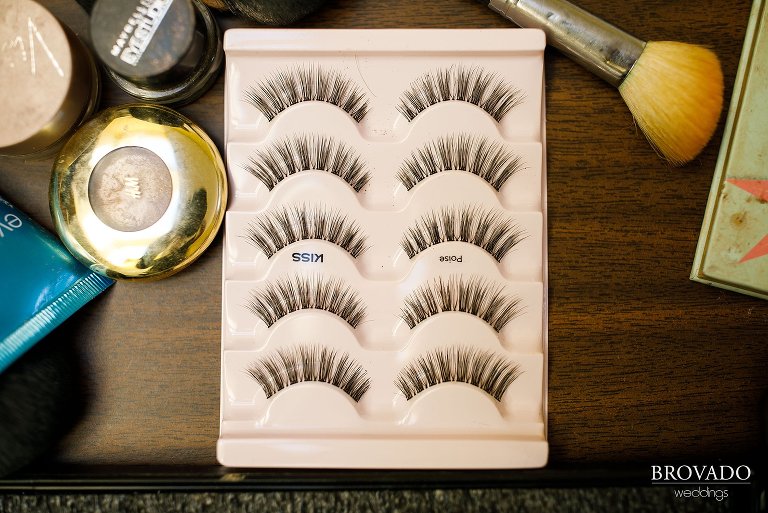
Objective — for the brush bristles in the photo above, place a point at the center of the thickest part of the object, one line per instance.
(675, 93)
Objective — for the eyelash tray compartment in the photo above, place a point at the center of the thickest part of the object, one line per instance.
(385, 266)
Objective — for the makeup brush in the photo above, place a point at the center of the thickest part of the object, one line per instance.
(673, 90)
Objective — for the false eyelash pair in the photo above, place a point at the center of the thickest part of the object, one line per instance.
(485, 370)
(492, 161)
(475, 296)
(487, 229)
(474, 85)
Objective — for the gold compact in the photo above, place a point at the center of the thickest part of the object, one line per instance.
(139, 191)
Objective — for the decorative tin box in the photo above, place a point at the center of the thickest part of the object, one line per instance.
(733, 246)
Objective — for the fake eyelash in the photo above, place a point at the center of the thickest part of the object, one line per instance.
(490, 160)
(308, 153)
(484, 369)
(289, 366)
(475, 296)
(288, 87)
(472, 85)
(487, 229)
(291, 294)
(277, 229)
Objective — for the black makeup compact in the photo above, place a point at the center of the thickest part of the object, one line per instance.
(159, 51)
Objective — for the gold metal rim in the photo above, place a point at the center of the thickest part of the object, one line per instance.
(180, 234)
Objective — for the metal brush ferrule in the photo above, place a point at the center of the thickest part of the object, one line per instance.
(602, 48)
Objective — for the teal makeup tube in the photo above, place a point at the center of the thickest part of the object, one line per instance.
(41, 284)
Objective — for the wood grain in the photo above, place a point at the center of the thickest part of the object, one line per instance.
(644, 364)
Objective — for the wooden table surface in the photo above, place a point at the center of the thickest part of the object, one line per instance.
(644, 365)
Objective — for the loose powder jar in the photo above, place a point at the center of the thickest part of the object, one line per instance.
(49, 80)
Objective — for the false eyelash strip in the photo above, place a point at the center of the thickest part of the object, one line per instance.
(293, 155)
(289, 366)
(291, 294)
(487, 229)
(288, 87)
(490, 160)
(279, 228)
(484, 369)
(475, 296)
(472, 85)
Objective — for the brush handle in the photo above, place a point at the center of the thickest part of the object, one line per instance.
(600, 47)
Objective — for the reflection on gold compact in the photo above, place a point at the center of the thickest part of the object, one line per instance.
(138, 192)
